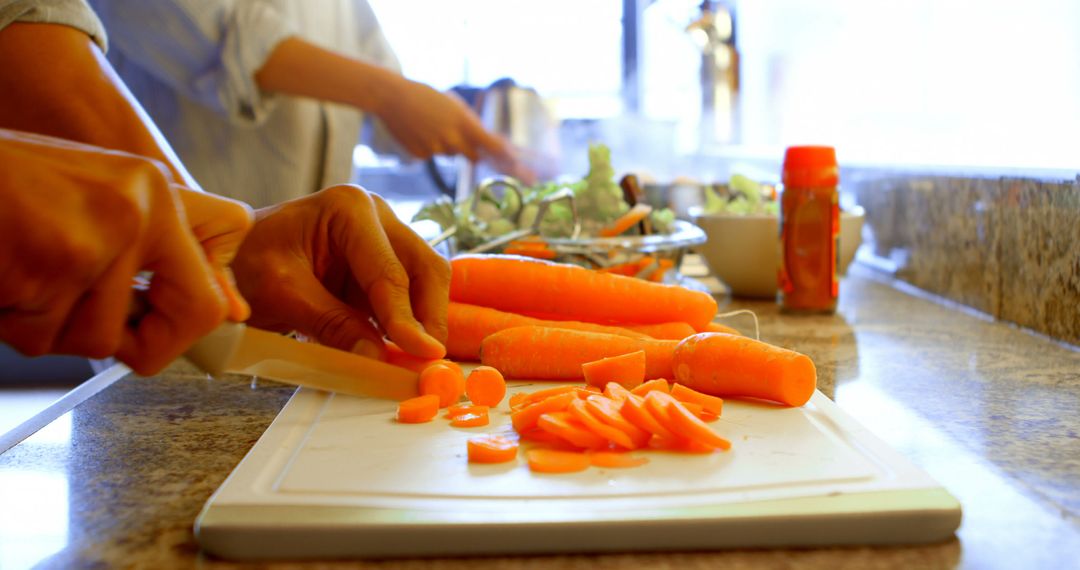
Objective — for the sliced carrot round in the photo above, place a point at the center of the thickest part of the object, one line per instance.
(659, 384)
(556, 460)
(607, 411)
(711, 404)
(565, 426)
(615, 459)
(418, 410)
(526, 417)
(491, 449)
(465, 408)
(580, 412)
(633, 409)
(444, 381)
(685, 423)
(471, 419)
(486, 386)
(628, 370)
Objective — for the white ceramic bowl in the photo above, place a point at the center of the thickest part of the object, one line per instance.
(744, 251)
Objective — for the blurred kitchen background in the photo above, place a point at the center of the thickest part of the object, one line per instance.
(688, 89)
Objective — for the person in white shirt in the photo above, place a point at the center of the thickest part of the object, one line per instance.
(264, 99)
(336, 265)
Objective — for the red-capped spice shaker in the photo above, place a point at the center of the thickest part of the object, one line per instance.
(809, 230)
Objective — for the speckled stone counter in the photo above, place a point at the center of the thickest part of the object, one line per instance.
(990, 411)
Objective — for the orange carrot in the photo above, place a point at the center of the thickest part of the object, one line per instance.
(668, 331)
(465, 408)
(628, 370)
(607, 411)
(683, 422)
(526, 417)
(633, 409)
(580, 412)
(568, 428)
(626, 221)
(418, 410)
(476, 418)
(717, 327)
(556, 460)
(546, 393)
(520, 285)
(711, 404)
(616, 392)
(444, 381)
(518, 400)
(485, 386)
(654, 384)
(491, 449)
(721, 364)
(557, 354)
(615, 459)
(468, 325)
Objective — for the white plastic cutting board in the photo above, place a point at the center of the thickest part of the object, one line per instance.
(336, 476)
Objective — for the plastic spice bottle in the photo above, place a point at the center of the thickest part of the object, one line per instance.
(809, 230)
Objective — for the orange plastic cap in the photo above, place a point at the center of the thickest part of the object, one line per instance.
(811, 166)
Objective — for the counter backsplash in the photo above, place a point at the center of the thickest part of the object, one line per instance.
(1008, 246)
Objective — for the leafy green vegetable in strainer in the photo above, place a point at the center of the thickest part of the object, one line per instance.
(597, 198)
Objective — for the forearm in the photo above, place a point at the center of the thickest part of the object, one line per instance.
(299, 68)
(57, 82)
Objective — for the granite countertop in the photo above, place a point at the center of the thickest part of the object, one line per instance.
(989, 410)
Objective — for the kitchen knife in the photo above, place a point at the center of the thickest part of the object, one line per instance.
(236, 348)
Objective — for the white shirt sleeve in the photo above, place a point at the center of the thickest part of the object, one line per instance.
(72, 13)
(207, 50)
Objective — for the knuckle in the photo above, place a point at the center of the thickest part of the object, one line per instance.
(335, 328)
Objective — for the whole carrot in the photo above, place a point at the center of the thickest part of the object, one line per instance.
(522, 285)
(722, 364)
(542, 353)
(468, 325)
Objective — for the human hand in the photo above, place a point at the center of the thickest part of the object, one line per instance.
(78, 223)
(340, 267)
(427, 122)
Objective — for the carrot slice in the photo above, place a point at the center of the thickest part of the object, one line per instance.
(546, 393)
(655, 384)
(580, 412)
(711, 404)
(485, 386)
(685, 423)
(565, 426)
(681, 421)
(491, 449)
(526, 417)
(518, 400)
(465, 408)
(616, 391)
(418, 410)
(444, 381)
(607, 411)
(626, 221)
(471, 419)
(627, 370)
(615, 459)
(633, 409)
(556, 460)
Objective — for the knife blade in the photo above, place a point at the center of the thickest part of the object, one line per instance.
(237, 348)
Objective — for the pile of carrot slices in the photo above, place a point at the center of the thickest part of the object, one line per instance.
(573, 427)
